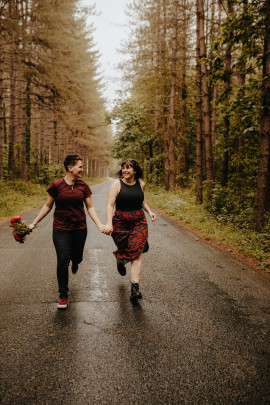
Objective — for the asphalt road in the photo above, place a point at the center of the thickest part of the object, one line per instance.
(200, 335)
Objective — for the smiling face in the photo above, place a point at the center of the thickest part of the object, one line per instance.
(76, 170)
(128, 172)
(131, 169)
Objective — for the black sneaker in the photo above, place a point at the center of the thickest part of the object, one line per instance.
(121, 269)
(74, 267)
(135, 293)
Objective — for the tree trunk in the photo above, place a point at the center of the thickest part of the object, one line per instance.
(164, 98)
(41, 137)
(227, 65)
(48, 140)
(22, 98)
(2, 136)
(12, 78)
(206, 98)
(199, 162)
(183, 152)
(262, 201)
(26, 134)
(241, 80)
(171, 136)
(215, 88)
(36, 153)
(156, 173)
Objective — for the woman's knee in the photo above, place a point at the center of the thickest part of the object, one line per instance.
(63, 261)
(138, 259)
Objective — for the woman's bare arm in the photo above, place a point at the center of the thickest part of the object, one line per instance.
(146, 206)
(114, 190)
(93, 213)
(43, 212)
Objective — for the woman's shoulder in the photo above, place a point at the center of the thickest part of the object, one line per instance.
(142, 183)
(116, 182)
(56, 186)
(116, 185)
(57, 182)
(81, 183)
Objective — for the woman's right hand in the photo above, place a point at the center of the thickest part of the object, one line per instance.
(32, 226)
(108, 229)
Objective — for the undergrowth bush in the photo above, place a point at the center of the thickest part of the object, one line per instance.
(49, 173)
(224, 220)
(228, 205)
(19, 196)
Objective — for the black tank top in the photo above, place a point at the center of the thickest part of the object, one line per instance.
(130, 198)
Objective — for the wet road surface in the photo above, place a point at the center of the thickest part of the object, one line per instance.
(199, 336)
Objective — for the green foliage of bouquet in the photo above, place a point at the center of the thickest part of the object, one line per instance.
(20, 229)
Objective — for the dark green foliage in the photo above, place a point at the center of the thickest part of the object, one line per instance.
(48, 173)
(134, 138)
(140, 120)
(241, 102)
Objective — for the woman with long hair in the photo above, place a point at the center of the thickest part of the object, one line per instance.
(128, 225)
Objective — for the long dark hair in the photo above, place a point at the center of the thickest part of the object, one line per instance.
(136, 167)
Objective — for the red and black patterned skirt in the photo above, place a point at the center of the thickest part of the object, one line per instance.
(130, 233)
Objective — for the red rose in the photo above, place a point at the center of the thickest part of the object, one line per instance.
(15, 219)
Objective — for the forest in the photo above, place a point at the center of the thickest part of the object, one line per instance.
(50, 92)
(197, 111)
(193, 107)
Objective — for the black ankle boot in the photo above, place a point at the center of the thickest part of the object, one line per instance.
(121, 269)
(135, 293)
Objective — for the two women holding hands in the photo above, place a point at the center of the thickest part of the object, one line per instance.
(127, 226)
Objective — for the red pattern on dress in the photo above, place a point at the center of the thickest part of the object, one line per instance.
(130, 233)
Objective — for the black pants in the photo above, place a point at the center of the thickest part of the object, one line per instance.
(69, 245)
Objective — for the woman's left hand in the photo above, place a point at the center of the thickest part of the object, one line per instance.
(101, 228)
(108, 229)
(152, 216)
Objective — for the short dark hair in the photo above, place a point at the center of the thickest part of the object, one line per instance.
(71, 160)
(136, 167)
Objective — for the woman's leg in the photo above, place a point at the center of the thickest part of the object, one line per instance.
(136, 269)
(77, 245)
(135, 273)
(62, 244)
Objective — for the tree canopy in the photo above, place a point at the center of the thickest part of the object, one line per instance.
(51, 95)
(197, 108)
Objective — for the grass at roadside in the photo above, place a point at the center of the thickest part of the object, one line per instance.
(18, 196)
(181, 205)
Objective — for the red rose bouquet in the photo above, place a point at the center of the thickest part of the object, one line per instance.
(20, 229)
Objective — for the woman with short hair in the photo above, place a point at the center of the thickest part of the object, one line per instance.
(69, 194)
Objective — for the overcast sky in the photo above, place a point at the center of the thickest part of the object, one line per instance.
(110, 31)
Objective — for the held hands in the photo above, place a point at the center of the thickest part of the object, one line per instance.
(106, 229)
